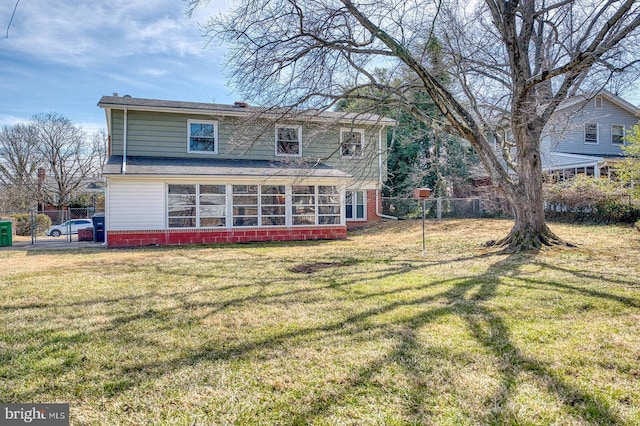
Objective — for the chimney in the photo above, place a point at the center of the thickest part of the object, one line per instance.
(41, 175)
(240, 104)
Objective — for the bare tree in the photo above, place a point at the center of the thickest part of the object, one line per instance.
(68, 156)
(19, 162)
(512, 63)
(100, 148)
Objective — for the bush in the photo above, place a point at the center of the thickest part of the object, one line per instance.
(22, 223)
(587, 199)
(612, 211)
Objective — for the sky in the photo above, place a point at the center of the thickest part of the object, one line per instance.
(63, 55)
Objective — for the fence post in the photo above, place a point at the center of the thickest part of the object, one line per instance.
(439, 208)
(34, 225)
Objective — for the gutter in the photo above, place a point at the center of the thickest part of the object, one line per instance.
(379, 191)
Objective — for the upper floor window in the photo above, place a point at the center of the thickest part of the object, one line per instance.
(202, 136)
(617, 134)
(598, 102)
(289, 140)
(590, 133)
(351, 142)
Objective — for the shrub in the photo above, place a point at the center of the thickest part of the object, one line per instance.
(612, 210)
(584, 198)
(22, 223)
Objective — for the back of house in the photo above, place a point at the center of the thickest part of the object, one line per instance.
(586, 136)
(188, 173)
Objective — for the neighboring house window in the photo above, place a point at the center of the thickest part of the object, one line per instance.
(191, 206)
(245, 205)
(617, 134)
(590, 133)
(598, 102)
(355, 205)
(289, 141)
(351, 142)
(202, 136)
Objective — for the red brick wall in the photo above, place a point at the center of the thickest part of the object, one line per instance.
(372, 217)
(202, 236)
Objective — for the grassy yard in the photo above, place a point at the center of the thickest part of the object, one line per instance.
(362, 331)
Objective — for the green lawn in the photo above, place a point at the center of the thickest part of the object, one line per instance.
(361, 331)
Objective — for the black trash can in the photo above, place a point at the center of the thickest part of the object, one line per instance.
(98, 227)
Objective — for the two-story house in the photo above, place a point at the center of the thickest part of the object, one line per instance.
(187, 173)
(586, 136)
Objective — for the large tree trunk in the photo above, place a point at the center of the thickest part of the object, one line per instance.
(526, 197)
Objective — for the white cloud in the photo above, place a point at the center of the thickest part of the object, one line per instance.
(11, 120)
(92, 33)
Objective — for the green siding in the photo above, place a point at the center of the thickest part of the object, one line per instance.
(165, 135)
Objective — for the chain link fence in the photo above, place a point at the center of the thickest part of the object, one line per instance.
(34, 227)
(435, 208)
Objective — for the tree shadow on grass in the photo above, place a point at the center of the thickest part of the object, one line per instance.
(492, 333)
(462, 297)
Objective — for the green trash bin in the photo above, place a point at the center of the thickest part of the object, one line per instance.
(5, 233)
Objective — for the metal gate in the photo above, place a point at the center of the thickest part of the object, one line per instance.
(32, 227)
(58, 219)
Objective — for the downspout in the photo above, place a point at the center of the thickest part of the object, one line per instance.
(380, 181)
(124, 144)
(106, 215)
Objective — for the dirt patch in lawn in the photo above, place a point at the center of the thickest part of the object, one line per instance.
(310, 268)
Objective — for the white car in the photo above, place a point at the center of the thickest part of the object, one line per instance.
(73, 224)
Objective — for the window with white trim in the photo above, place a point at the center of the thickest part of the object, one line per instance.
(191, 206)
(245, 205)
(617, 134)
(230, 205)
(351, 142)
(212, 205)
(315, 205)
(591, 133)
(355, 205)
(181, 202)
(598, 102)
(202, 137)
(273, 205)
(288, 141)
(303, 205)
(329, 208)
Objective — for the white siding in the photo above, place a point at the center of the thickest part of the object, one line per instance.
(136, 206)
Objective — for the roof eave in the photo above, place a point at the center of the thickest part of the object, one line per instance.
(241, 112)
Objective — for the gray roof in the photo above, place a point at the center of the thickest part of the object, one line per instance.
(613, 98)
(240, 109)
(163, 166)
(558, 160)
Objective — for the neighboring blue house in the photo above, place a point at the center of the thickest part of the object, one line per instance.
(586, 136)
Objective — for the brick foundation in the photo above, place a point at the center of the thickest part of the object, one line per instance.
(209, 236)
